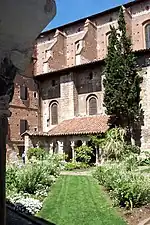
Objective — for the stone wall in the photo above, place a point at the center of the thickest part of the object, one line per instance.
(71, 93)
(145, 96)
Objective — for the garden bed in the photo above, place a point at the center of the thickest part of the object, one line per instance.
(137, 215)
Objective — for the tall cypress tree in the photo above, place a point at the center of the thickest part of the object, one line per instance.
(122, 82)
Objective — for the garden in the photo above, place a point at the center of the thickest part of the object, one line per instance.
(121, 180)
(28, 184)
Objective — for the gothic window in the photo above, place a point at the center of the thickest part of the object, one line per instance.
(147, 35)
(92, 106)
(54, 114)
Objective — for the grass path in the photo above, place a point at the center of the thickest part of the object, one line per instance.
(78, 200)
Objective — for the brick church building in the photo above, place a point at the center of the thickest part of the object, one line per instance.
(58, 103)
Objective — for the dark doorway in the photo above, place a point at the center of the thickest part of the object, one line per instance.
(78, 143)
(21, 150)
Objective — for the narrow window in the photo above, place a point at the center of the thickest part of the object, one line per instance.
(23, 126)
(92, 106)
(91, 76)
(23, 93)
(35, 94)
(54, 114)
(147, 35)
(78, 45)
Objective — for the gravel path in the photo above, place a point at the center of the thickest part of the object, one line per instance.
(78, 173)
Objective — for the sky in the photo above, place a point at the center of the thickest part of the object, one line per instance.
(72, 10)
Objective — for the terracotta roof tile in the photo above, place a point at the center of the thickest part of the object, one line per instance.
(78, 125)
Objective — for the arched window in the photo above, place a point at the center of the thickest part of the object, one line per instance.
(92, 106)
(147, 35)
(54, 114)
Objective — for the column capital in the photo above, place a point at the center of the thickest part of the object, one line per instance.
(72, 144)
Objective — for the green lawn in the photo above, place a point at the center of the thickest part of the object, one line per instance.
(78, 200)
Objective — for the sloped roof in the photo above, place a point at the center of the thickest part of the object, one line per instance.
(77, 126)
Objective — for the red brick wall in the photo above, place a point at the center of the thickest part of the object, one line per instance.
(27, 109)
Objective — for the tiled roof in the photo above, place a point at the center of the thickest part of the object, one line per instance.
(78, 126)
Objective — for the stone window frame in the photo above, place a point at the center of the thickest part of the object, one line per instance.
(107, 38)
(54, 102)
(89, 97)
(145, 24)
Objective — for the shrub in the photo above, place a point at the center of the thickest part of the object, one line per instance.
(144, 158)
(35, 177)
(11, 177)
(26, 205)
(84, 153)
(127, 188)
(75, 165)
(131, 162)
(113, 145)
(38, 153)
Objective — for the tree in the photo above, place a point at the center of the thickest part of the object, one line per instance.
(122, 82)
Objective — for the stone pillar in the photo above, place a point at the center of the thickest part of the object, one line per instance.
(51, 147)
(4, 114)
(60, 147)
(73, 150)
(27, 144)
(97, 156)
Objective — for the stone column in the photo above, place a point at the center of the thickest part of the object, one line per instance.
(97, 156)
(51, 147)
(60, 147)
(73, 150)
(27, 143)
(4, 114)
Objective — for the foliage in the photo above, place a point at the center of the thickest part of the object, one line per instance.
(84, 153)
(38, 153)
(75, 165)
(131, 162)
(144, 158)
(11, 176)
(113, 145)
(122, 82)
(127, 188)
(33, 179)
